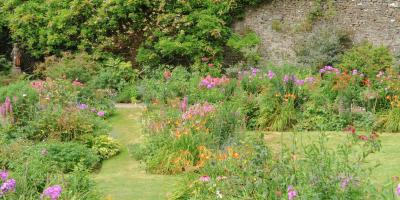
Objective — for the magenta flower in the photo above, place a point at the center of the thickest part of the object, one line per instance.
(3, 175)
(328, 70)
(101, 113)
(83, 106)
(354, 72)
(299, 82)
(398, 190)
(286, 79)
(7, 186)
(52, 192)
(292, 193)
(254, 71)
(204, 178)
(271, 74)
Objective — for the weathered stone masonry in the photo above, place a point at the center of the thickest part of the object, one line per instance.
(377, 21)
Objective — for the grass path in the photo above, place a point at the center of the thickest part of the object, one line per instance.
(122, 177)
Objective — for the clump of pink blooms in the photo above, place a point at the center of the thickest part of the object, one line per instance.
(198, 110)
(6, 110)
(211, 82)
(53, 192)
(329, 70)
(298, 82)
(292, 193)
(184, 104)
(271, 74)
(7, 185)
(38, 85)
(204, 179)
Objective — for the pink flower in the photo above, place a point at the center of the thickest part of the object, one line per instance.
(77, 83)
(53, 192)
(210, 82)
(101, 113)
(271, 74)
(210, 65)
(398, 190)
(3, 175)
(38, 85)
(292, 193)
(167, 74)
(184, 104)
(204, 178)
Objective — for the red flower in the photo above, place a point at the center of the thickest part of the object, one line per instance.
(363, 137)
(211, 65)
(167, 74)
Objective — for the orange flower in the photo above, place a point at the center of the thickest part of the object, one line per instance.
(222, 156)
(201, 148)
(235, 155)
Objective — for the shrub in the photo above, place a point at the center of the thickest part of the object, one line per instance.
(104, 146)
(62, 156)
(80, 66)
(367, 59)
(324, 46)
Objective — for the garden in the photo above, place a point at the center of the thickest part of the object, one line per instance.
(161, 99)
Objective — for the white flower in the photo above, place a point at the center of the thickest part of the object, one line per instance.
(24, 95)
(219, 195)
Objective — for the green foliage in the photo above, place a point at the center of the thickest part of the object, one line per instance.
(160, 31)
(104, 146)
(391, 120)
(325, 45)
(367, 59)
(247, 46)
(263, 175)
(81, 67)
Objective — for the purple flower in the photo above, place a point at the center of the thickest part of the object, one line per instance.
(3, 175)
(8, 185)
(329, 69)
(354, 72)
(286, 79)
(204, 178)
(299, 82)
(101, 113)
(254, 71)
(271, 74)
(398, 190)
(310, 80)
(83, 106)
(93, 110)
(52, 192)
(292, 193)
(345, 182)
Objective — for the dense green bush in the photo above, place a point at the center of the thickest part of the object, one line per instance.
(367, 59)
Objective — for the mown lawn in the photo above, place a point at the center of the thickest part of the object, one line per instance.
(388, 159)
(122, 177)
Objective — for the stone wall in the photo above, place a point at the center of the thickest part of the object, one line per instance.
(377, 21)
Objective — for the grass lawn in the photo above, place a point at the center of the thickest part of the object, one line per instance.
(388, 158)
(122, 177)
